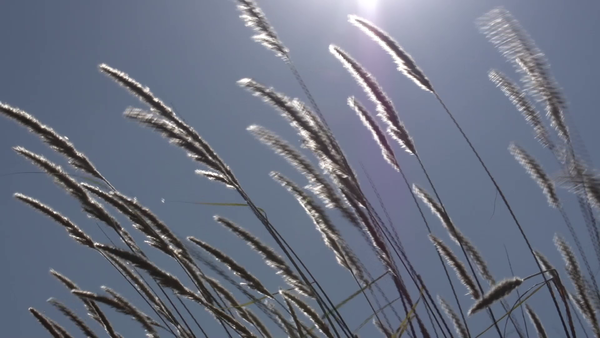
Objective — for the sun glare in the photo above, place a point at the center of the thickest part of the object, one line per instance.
(368, 4)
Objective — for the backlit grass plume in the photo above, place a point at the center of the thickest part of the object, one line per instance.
(54, 329)
(89, 205)
(231, 300)
(308, 312)
(121, 306)
(269, 255)
(520, 101)
(385, 107)
(537, 173)
(169, 281)
(581, 180)
(402, 59)
(455, 234)
(83, 327)
(496, 293)
(459, 327)
(378, 135)
(317, 183)
(253, 282)
(537, 323)
(72, 229)
(461, 271)
(582, 297)
(93, 309)
(244, 313)
(303, 121)
(59, 143)
(331, 236)
(254, 18)
(515, 44)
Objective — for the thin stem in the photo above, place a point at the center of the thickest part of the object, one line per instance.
(510, 210)
(437, 196)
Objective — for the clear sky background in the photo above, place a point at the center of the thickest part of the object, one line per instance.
(191, 53)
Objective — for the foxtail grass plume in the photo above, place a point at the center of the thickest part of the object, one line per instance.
(63, 332)
(329, 232)
(403, 60)
(461, 271)
(302, 119)
(437, 210)
(143, 287)
(89, 205)
(320, 186)
(520, 101)
(139, 222)
(317, 183)
(582, 298)
(48, 324)
(551, 271)
(215, 176)
(169, 281)
(269, 255)
(128, 307)
(455, 234)
(83, 327)
(122, 307)
(253, 282)
(258, 323)
(225, 276)
(72, 229)
(206, 155)
(155, 223)
(308, 312)
(290, 330)
(537, 173)
(229, 297)
(92, 308)
(292, 313)
(382, 328)
(496, 293)
(385, 107)
(196, 148)
(162, 277)
(254, 18)
(515, 44)
(60, 144)
(477, 258)
(459, 327)
(378, 135)
(537, 323)
(582, 181)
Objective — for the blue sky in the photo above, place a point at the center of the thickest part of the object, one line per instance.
(191, 53)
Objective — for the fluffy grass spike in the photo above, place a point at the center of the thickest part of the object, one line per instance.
(405, 62)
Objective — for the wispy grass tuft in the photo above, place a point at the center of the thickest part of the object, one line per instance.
(518, 48)
(582, 298)
(402, 59)
(537, 323)
(537, 173)
(385, 107)
(520, 101)
(378, 135)
(308, 312)
(269, 255)
(254, 18)
(461, 271)
(496, 293)
(460, 329)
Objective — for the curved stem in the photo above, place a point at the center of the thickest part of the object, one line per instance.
(512, 214)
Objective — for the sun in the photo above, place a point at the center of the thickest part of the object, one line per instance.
(368, 4)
